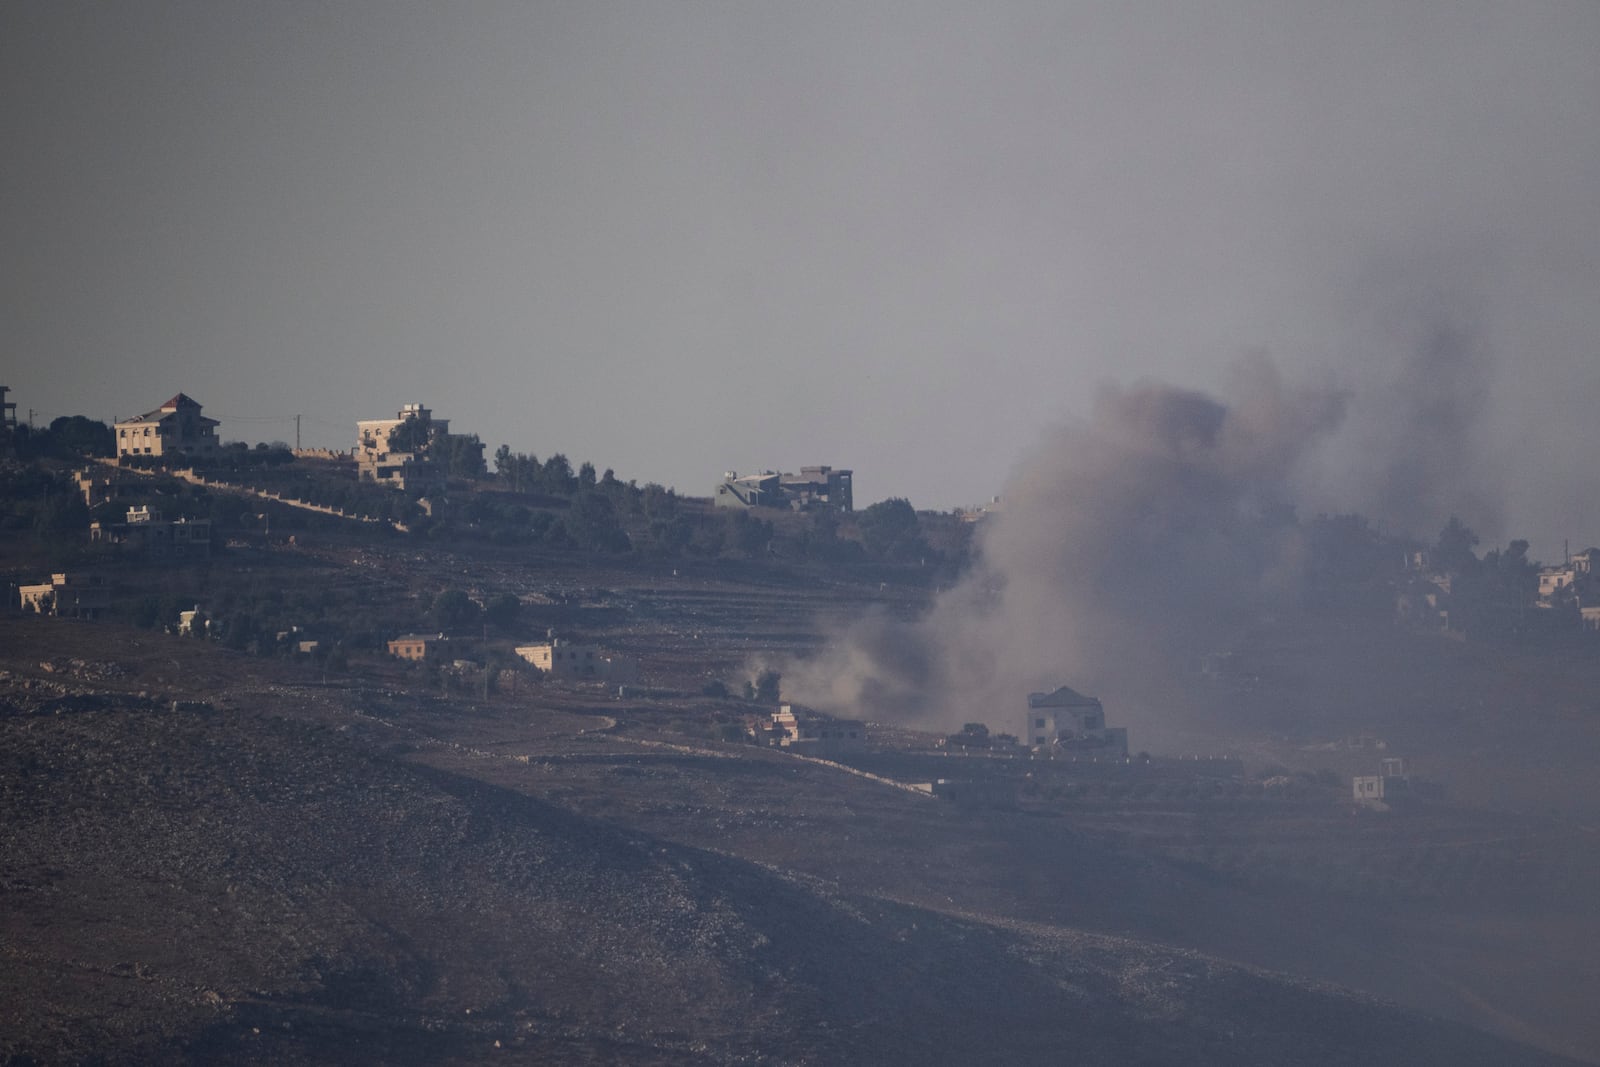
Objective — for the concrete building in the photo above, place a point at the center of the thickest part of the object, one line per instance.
(95, 483)
(383, 457)
(176, 428)
(1072, 723)
(418, 646)
(78, 596)
(813, 488)
(749, 491)
(563, 659)
(146, 532)
(802, 730)
(8, 413)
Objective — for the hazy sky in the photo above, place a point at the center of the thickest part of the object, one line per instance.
(676, 238)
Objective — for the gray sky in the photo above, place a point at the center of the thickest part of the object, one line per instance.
(906, 238)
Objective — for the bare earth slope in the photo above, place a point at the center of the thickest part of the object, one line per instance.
(263, 883)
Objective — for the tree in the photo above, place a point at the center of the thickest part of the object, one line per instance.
(453, 609)
(76, 435)
(502, 610)
(1453, 553)
(890, 531)
(586, 476)
(750, 534)
(557, 475)
(463, 455)
(412, 435)
(592, 522)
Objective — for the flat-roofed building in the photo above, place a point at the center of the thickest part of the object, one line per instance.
(417, 646)
(68, 595)
(559, 658)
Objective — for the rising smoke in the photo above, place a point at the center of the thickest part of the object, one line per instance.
(1125, 542)
(1131, 542)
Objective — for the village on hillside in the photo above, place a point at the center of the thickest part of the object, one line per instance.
(162, 490)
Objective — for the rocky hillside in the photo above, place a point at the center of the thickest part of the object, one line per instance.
(258, 881)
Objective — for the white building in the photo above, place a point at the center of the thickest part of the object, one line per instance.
(1073, 723)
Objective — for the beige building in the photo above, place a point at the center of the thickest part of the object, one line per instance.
(564, 659)
(147, 532)
(176, 428)
(82, 596)
(418, 646)
(408, 463)
(797, 728)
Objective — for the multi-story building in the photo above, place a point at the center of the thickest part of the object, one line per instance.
(147, 532)
(8, 413)
(402, 451)
(1073, 723)
(813, 488)
(82, 596)
(803, 730)
(176, 428)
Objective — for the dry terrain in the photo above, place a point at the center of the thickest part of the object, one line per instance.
(208, 855)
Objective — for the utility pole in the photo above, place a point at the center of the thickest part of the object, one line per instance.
(297, 433)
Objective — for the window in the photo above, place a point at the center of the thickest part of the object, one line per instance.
(1038, 724)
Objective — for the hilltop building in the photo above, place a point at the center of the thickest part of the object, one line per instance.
(814, 488)
(8, 413)
(176, 428)
(79, 596)
(559, 658)
(401, 452)
(1577, 576)
(1074, 724)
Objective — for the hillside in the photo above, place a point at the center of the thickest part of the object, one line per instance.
(300, 872)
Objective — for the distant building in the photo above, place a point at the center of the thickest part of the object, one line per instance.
(813, 488)
(1366, 788)
(798, 728)
(418, 646)
(1391, 783)
(79, 596)
(8, 413)
(94, 483)
(401, 452)
(176, 428)
(145, 531)
(1073, 723)
(748, 491)
(559, 658)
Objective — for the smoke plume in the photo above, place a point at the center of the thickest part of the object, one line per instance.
(1124, 543)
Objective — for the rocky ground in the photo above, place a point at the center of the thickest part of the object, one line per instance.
(212, 857)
